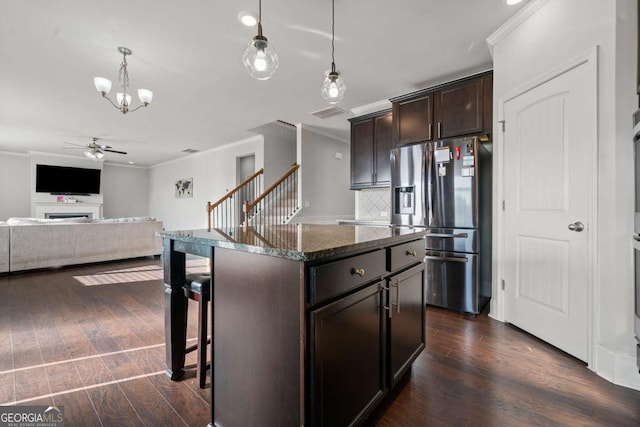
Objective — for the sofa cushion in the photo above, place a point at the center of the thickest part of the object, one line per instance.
(126, 219)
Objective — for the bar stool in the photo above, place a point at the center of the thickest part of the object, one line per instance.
(197, 288)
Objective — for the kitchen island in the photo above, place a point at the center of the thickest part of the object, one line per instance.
(311, 324)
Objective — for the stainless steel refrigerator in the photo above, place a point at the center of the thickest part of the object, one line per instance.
(445, 186)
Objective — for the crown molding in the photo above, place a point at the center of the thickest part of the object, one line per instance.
(13, 153)
(374, 107)
(513, 23)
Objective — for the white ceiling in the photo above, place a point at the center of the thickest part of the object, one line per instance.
(189, 53)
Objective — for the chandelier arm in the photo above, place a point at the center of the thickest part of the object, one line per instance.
(112, 103)
(138, 107)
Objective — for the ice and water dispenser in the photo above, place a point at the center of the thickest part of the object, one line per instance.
(405, 201)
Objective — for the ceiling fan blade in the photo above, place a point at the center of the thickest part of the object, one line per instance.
(77, 145)
(115, 151)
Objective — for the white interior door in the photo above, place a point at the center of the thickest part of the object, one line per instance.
(547, 188)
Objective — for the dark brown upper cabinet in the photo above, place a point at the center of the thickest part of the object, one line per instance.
(371, 140)
(459, 108)
(414, 119)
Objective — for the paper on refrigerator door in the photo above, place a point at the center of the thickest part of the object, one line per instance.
(442, 155)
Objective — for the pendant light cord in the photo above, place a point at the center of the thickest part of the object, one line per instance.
(260, 18)
(333, 35)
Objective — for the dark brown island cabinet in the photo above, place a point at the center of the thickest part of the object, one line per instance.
(371, 140)
(458, 108)
(312, 324)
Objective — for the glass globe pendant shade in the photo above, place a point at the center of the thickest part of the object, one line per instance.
(260, 58)
(333, 87)
(102, 85)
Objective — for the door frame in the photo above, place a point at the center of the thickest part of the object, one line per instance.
(497, 311)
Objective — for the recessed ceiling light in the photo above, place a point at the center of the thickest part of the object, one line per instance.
(131, 163)
(510, 2)
(249, 19)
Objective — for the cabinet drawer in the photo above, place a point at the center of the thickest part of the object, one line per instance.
(406, 254)
(338, 277)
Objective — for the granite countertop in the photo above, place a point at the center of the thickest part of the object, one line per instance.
(301, 242)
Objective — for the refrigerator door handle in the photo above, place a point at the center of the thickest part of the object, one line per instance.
(428, 180)
(446, 258)
(452, 236)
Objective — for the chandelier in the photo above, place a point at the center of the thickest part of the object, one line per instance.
(123, 98)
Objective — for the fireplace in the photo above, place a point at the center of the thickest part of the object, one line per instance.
(49, 215)
(67, 210)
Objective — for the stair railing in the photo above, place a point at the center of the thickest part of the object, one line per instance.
(277, 204)
(226, 211)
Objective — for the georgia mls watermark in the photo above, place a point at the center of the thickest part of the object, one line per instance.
(32, 416)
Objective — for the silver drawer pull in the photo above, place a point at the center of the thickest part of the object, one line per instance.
(446, 258)
(447, 235)
(357, 272)
(411, 253)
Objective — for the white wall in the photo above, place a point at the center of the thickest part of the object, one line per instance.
(557, 32)
(213, 173)
(126, 190)
(15, 192)
(325, 179)
(279, 152)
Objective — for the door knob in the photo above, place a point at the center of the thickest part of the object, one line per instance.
(576, 226)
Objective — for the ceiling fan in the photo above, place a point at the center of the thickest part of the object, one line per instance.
(94, 151)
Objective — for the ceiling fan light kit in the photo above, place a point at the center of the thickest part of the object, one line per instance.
(260, 58)
(123, 99)
(94, 155)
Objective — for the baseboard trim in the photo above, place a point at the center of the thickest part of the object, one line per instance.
(619, 369)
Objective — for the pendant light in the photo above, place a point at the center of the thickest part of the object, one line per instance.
(333, 87)
(260, 58)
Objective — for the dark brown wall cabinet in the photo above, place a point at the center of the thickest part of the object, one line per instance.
(462, 107)
(366, 337)
(371, 140)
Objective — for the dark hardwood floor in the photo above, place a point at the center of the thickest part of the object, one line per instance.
(91, 338)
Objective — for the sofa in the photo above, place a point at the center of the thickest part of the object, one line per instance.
(30, 243)
(4, 247)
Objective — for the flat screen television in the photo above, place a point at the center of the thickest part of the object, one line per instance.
(67, 180)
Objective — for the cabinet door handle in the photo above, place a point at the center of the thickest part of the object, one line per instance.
(430, 129)
(357, 272)
(411, 253)
(439, 129)
(396, 285)
(389, 310)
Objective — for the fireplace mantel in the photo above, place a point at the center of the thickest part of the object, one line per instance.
(45, 210)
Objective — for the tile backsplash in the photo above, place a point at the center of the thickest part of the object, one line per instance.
(373, 204)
